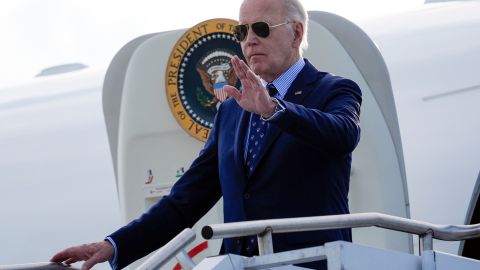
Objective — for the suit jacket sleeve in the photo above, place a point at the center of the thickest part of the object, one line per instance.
(330, 117)
(190, 198)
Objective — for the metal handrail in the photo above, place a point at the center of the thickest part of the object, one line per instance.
(258, 227)
(38, 266)
(169, 250)
(265, 228)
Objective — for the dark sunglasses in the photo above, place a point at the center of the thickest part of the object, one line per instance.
(261, 29)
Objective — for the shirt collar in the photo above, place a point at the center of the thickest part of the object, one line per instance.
(285, 80)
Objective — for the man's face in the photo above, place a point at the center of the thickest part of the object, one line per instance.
(270, 56)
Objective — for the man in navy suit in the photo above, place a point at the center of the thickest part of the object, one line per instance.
(280, 148)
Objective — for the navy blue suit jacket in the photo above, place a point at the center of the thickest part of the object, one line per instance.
(303, 170)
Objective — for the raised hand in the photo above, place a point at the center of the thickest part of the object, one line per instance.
(254, 96)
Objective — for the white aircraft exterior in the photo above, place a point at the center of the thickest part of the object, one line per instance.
(57, 182)
(436, 86)
(66, 179)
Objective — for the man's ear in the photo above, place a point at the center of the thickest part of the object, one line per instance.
(298, 34)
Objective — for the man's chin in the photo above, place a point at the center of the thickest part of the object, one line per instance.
(258, 69)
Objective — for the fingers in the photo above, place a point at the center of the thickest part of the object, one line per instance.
(248, 78)
(92, 261)
(253, 78)
(90, 253)
(233, 92)
(254, 95)
(104, 253)
(61, 256)
(242, 71)
(70, 261)
(66, 256)
(238, 67)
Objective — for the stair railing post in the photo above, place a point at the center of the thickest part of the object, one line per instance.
(426, 251)
(265, 242)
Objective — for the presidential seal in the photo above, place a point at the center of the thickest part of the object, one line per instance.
(198, 68)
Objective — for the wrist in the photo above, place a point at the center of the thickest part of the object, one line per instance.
(271, 108)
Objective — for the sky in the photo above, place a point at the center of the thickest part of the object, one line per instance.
(40, 34)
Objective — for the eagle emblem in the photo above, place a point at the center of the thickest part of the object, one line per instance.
(215, 71)
(196, 72)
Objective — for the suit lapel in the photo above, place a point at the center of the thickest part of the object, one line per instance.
(302, 85)
(239, 143)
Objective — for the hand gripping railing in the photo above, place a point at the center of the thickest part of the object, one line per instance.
(38, 266)
(173, 248)
(264, 229)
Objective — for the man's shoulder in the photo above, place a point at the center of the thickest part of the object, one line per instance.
(326, 79)
(325, 76)
(334, 79)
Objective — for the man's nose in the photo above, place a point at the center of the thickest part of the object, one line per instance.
(251, 38)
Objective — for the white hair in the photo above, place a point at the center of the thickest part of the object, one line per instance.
(296, 12)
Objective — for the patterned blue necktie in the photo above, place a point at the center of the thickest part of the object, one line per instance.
(258, 130)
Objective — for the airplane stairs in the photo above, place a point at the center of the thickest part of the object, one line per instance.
(340, 255)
